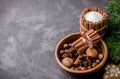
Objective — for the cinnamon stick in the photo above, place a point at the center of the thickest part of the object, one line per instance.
(75, 42)
(89, 32)
(77, 60)
(92, 34)
(80, 50)
(91, 26)
(96, 38)
(79, 44)
(87, 25)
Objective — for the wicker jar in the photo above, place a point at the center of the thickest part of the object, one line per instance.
(100, 26)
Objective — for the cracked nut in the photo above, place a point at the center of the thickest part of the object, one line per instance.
(92, 52)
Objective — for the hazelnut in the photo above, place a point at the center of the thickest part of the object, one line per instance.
(73, 68)
(80, 67)
(65, 46)
(100, 56)
(77, 68)
(62, 52)
(92, 52)
(94, 64)
(83, 68)
(89, 67)
(97, 61)
(67, 61)
(67, 51)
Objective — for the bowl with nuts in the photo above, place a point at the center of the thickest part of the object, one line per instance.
(81, 53)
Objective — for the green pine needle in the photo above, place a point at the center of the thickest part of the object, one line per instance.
(113, 35)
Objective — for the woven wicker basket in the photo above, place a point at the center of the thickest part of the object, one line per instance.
(100, 26)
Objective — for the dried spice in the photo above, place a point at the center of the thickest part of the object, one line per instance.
(84, 53)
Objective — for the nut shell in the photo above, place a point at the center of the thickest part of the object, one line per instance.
(65, 45)
(100, 56)
(92, 52)
(67, 61)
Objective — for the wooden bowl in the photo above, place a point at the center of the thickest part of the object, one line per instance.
(69, 39)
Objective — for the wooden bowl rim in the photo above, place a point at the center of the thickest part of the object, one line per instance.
(85, 71)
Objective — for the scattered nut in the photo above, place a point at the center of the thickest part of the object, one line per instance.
(62, 52)
(94, 64)
(67, 51)
(77, 69)
(92, 52)
(100, 56)
(67, 62)
(89, 67)
(97, 61)
(65, 46)
(73, 68)
(86, 60)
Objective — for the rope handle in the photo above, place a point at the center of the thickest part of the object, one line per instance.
(95, 30)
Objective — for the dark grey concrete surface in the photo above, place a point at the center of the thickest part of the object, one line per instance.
(29, 32)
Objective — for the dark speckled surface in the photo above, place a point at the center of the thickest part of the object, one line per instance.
(29, 32)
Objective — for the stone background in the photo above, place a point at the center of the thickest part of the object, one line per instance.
(29, 32)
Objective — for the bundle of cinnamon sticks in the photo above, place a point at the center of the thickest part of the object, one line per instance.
(86, 40)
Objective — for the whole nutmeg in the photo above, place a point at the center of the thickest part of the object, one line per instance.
(100, 56)
(68, 62)
(92, 52)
